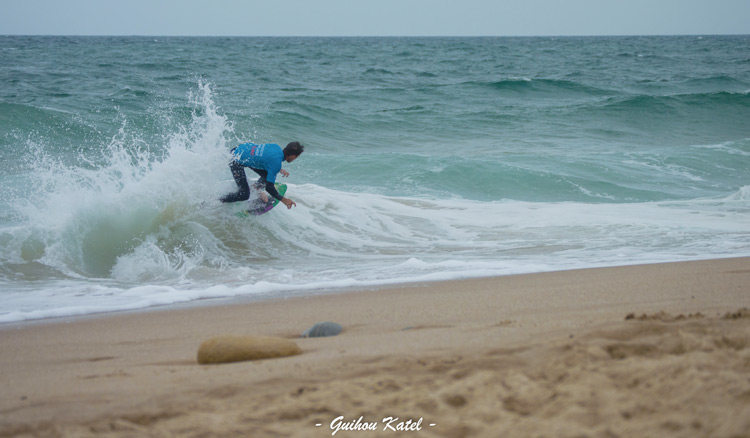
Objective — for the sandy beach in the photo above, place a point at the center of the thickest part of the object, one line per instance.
(657, 350)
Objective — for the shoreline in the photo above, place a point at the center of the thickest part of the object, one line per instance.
(311, 293)
(519, 354)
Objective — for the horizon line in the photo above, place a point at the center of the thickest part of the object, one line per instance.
(373, 36)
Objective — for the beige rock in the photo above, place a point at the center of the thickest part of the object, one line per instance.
(223, 349)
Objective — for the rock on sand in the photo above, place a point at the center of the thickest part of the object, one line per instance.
(323, 329)
(224, 349)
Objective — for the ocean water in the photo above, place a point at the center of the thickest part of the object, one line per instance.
(427, 159)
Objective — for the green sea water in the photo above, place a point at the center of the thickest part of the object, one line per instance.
(426, 159)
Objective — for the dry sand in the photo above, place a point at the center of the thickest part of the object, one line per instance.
(641, 351)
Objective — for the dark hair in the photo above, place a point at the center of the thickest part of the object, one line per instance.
(293, 148)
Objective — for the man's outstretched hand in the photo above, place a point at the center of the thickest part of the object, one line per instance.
(288, 202)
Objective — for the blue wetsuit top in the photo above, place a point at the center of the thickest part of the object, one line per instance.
(267, 157)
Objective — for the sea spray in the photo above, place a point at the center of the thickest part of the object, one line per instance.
(89, 214)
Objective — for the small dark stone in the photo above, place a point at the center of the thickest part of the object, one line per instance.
(322, 329)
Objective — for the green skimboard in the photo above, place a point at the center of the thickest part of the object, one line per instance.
(258, 207)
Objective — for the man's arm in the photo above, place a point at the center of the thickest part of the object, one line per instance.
(271, 189)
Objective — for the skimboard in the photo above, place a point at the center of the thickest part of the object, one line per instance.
(258, 207)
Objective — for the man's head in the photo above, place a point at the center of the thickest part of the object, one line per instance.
(292, 151)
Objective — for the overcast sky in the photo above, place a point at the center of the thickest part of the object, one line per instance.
(374, 17)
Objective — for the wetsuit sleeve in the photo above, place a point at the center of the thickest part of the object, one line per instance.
(271, 189)
(273, 169)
